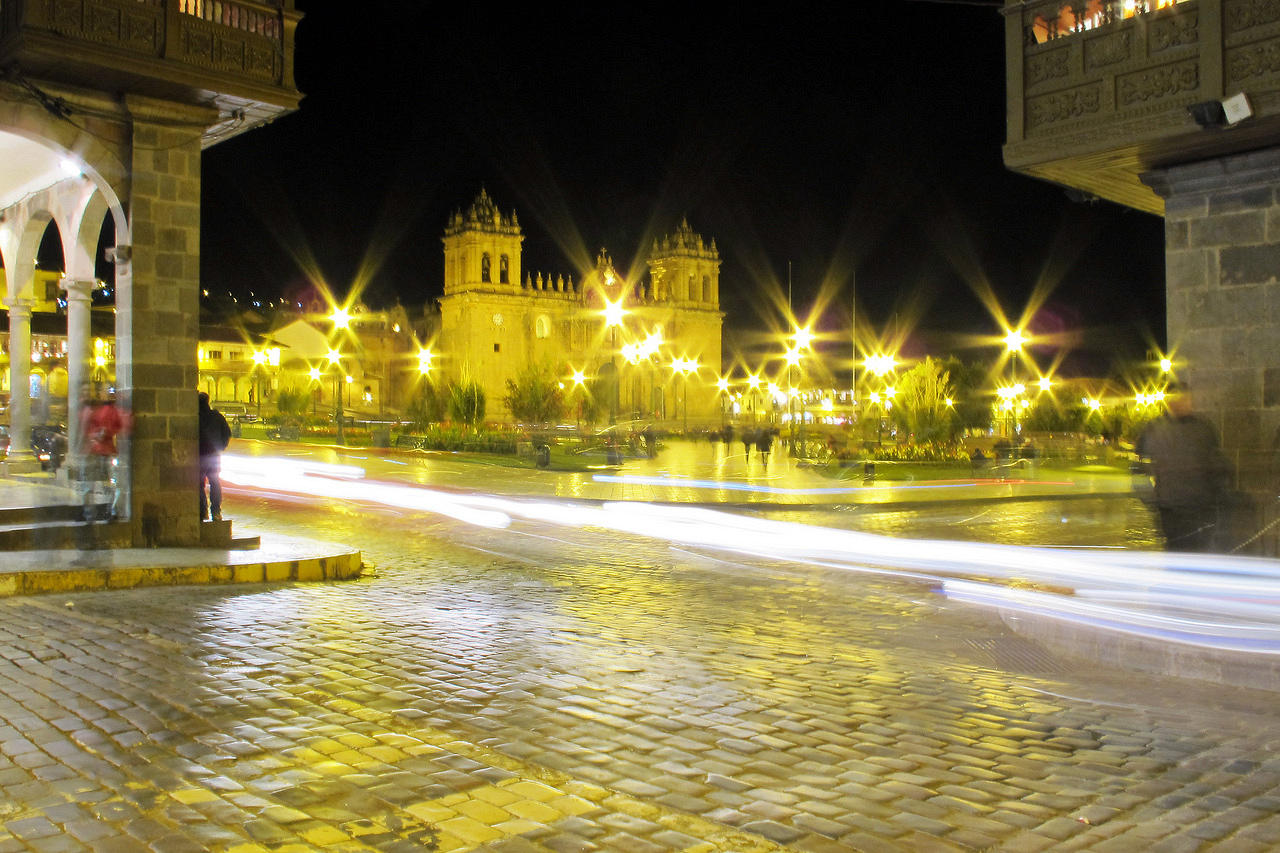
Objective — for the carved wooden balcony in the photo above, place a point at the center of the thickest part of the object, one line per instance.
(1100, 91)
(236, 54)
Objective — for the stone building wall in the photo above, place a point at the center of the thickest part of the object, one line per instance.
(1222, 250)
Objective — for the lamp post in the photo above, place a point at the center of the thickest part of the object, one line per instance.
(335, 363)
(613, 313)
(1013, 343)
(314, 374)
(880, 365)
(685, 366)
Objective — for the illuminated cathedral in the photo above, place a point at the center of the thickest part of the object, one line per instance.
(645, 350)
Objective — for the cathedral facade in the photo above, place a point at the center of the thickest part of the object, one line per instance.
(647, 350)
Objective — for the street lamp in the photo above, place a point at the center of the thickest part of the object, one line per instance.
(753, 386)
(722, 386)
(685, 366)
(881, 364)
(613, 313)
(335, 362)
(314, 374)
(261, 359)
(1013, 343)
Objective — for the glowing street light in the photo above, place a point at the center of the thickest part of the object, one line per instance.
(424, 361)
(804, 337)
(613, 313)
(341, 318)
(685, 366)
(880, 364)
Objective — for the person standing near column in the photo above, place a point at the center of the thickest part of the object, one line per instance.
(215, 435)
(1192, 476)
(100, 423)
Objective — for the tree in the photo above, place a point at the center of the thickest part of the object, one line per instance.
(466, 402)
(427, 406)
(535, 396)
(972, 404)
(291, 404)
(920, 404)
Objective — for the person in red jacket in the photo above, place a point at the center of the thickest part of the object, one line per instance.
(100, 424)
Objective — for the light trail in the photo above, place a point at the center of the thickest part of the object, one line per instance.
(731, 485)
(1207, 600)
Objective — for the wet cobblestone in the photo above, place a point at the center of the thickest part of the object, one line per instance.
(550, 690)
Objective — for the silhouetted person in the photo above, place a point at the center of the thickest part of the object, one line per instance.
(764, 443)
(215, 435)
(1191, 474)
(100, 423)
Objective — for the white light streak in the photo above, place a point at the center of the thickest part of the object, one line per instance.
(1207, 600)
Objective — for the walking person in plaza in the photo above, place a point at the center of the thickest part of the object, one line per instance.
(100, 424)
(764, 443)
(1191, 474)
(215, 435)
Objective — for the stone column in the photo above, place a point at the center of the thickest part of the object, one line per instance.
(157, 324)
(79, 354)
(20, 457)
(1222, 259)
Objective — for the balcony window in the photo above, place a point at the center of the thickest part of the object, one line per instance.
(1079, 17)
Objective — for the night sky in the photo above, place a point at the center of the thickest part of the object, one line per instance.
(856, 145)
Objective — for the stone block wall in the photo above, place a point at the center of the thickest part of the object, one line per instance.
(1222, 250)
(157, 328)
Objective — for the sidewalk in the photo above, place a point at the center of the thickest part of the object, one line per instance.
(278, 558)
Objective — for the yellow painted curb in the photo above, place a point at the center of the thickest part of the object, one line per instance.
(343, 566)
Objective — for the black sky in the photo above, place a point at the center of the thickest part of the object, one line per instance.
(863, 139)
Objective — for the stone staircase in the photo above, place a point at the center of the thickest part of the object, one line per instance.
(62, 527)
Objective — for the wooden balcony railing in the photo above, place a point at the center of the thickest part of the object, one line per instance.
(246, 40)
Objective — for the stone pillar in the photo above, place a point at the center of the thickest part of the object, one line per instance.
(1222, 258)
(157, 324)
(20, 457)
(79, 355)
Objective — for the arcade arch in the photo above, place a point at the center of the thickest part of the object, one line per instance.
(53, 183)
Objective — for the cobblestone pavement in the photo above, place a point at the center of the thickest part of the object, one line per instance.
(539, 689)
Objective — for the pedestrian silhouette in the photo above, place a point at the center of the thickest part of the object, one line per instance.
(764, 443)
(1191, 474)
(215, 435)
(100, 424)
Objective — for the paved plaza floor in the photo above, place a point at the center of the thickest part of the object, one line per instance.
(558, 689)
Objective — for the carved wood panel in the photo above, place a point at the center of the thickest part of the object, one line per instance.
(1240, 15)
(1063, 106)
(1048, 66)
(1153, 84)
(1252, 61)
(1108, 49)
(222, 49)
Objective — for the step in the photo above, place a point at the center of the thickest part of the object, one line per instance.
(217, 534)
(65, 535)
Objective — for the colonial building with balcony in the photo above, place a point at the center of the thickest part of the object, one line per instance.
(105, 109)
(1173, 107)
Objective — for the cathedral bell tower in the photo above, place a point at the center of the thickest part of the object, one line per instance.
(685, 272)
(482, 249)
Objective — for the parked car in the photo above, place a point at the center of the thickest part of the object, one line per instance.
(48, 443)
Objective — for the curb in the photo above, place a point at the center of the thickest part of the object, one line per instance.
(82, 576)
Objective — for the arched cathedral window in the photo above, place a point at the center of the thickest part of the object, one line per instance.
(504, 270)
(484, 267)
